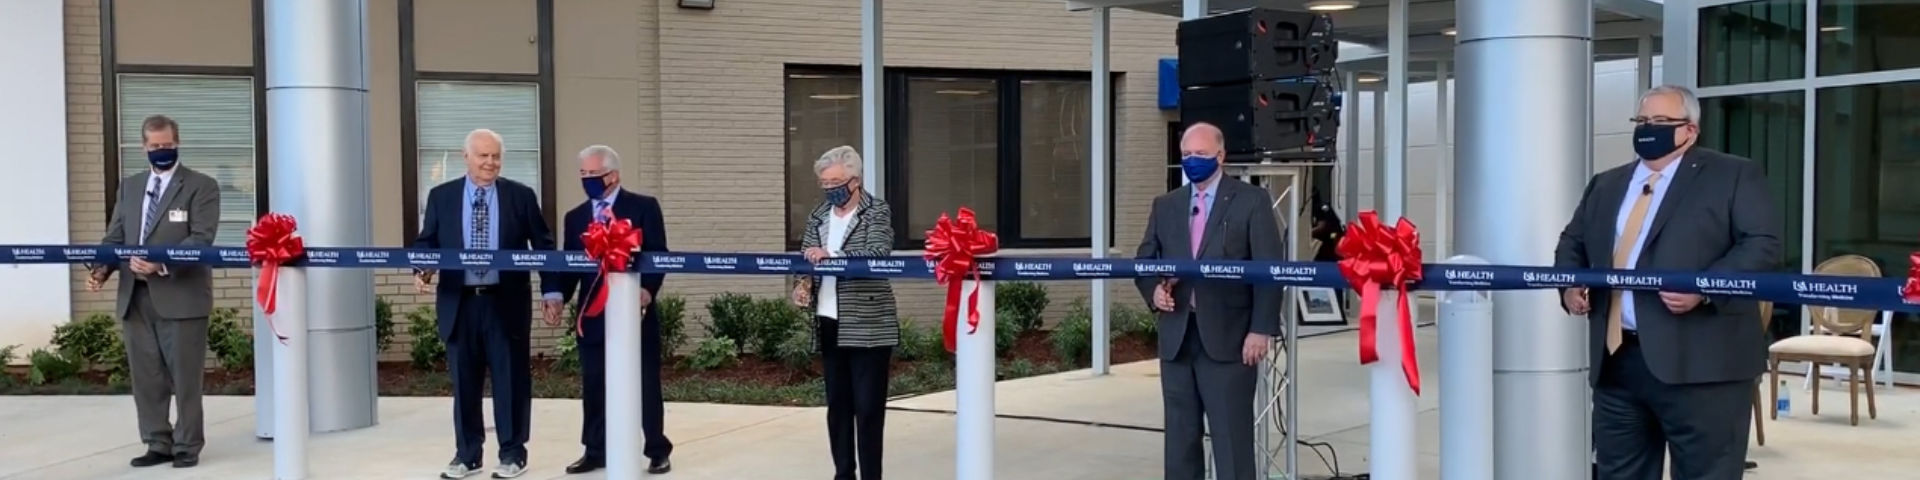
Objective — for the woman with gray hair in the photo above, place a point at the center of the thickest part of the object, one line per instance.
(855, 323)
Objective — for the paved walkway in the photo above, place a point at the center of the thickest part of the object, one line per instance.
(1059, 427)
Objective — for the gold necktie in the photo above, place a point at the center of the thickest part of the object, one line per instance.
(1622, 250)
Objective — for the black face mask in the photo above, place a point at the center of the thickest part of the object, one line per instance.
(1653, 142)
(839, 195)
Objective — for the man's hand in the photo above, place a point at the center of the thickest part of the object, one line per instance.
(815, 254)
(1255, 349)
(142, 266)
(96, 278)
(800, 296)
(646, 298)
(423, 281)
(1575, 301)
(551, 310)
(1163, 295)
(1679, 303)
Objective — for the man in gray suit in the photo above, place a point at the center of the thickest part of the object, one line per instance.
(1213, 333)
(163, 308)
(1671, 370)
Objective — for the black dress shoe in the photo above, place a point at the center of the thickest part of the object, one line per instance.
(586, 464)
(1752, 464)
(659, 465)
(150, 459)
(186, 460)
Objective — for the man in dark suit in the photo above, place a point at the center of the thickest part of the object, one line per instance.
(1672, 370)
(164, 308)
(600, 177)
(485, 315)
(1213, 332)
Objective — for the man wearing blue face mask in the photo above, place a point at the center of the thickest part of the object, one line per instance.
(163, 308)
(1672, 371)
(600, 179)
(1213, 334)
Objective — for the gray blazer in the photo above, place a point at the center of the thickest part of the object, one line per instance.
(1717, 216)
(868, 316)
(1241, 226)
(189, 215)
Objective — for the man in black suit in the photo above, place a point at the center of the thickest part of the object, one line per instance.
(600, 177)
(485, 315)
(1672, 370)
(1213, 332)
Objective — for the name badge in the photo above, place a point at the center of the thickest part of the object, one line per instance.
(176, 216)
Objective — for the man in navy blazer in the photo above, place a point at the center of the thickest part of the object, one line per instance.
(485, 316)
(600, 178)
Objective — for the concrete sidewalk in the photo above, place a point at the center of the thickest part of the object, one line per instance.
(1065, 426)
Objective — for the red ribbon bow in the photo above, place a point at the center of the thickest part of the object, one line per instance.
(1911, 291)
(953, 245)
(1375, 256)
(612, 243)
(272, 243)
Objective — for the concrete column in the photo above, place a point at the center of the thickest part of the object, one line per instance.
(1517, 184)
(873, 133)
(1643, 73)
(317, 123)
(1192, 9)
(1097, 230)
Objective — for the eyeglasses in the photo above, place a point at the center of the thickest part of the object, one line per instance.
(831, 184)
(1659, 120)
(592, 174)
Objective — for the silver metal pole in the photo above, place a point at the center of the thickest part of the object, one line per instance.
(1350, 149)
(1443, 192)
(1097, 230)
(1394, 176)
(1517, 183)
(319, 173)
(1392, 406)
(1378, 175)
(872, 101)
(1643, 74)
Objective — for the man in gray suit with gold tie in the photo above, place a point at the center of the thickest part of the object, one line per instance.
(164, 308)
(1213, 333)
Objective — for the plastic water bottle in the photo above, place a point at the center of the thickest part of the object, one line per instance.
(1783, 403)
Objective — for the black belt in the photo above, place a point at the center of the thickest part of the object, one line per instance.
(478, 290)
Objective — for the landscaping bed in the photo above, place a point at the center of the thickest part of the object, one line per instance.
(771, 362)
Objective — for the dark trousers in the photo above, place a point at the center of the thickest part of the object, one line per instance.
(165, 358)
(1196, 388)
(481, 349)
(593, 395)
(856, 402)
(1637, 419)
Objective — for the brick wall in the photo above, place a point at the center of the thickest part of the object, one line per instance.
(710, 118)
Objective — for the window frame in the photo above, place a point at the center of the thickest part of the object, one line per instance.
(111, 69)
(410, 78)
(1007, 192)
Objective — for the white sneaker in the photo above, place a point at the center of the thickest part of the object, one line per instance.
(510, 470)
(459, 470)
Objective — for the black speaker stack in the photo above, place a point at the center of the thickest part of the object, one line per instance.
(1266, 78)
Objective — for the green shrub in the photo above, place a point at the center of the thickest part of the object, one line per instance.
(774, 322)
(1006, 332)
(6, 354)
(382, 324)
(714, 353)
(796, 352)
(732, 316)
(51, 367)
(1073, 337)
(1021, 302)
(1136, 322)
(566, 352)
(92, 342)
(428, 351)
(673, 323)
(918, 342)
(1018, 368)
(231, 343)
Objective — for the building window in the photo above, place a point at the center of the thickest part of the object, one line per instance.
(1869, 159)
(1859, 36)
(1759, 41)
(1768, 128)
(1012, 146)
(216, 136)
(823, 111)
(448, 110)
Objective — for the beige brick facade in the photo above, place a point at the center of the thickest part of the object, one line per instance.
(694, 100)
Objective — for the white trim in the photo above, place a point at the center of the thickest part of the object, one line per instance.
(1830, 81)
(1809, 149)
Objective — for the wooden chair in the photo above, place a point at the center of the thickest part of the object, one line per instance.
(1839, 336)
(1759, 403)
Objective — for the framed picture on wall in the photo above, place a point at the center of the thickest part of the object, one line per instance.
(1319, 306)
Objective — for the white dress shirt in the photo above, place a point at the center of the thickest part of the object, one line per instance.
(1640, 173)
(834, 235)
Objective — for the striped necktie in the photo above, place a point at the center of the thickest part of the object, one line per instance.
(153, 210)
(478, 238)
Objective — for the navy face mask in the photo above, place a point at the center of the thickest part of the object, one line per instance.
(838, 195)
(1652, 142)
(596, 187)
(1199, 168)
(163, 159)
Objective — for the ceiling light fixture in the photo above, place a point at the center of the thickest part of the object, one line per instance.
(1332, 5)
(1368, 78)
(1832, 28)
(1449, 31)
